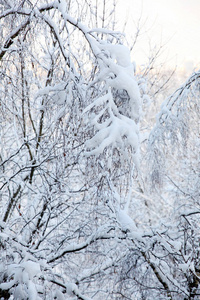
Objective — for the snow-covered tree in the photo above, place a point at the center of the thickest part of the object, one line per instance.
(71, 110)
(80, 214)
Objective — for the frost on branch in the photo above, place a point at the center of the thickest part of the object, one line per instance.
(116, 114)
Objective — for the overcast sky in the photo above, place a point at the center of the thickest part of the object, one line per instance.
(175, 23)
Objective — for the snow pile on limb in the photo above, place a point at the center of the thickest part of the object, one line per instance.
(22, 280)
(117, 113)
(128, 225)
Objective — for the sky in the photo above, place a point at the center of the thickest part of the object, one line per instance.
(172, 23)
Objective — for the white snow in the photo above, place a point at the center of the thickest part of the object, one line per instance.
(59, 295)
(120, 53)
(127, 225)
(125, 221)
(7, 285)
(113, 134)
(117, 130)
(32, 268)
(32, 292)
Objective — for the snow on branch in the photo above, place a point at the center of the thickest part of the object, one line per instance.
(115, 124)
(71, 289)
(11, 36)
(113, 129)
(174, 127)
(101, 233)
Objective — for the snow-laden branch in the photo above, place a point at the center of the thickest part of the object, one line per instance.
(108, 263)
(71, 288)
(12, 36)
(101, 233)
(115, 126)
(176, 98)
(174, 128)
(113, 129)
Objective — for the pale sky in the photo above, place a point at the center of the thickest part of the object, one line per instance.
(175, 23)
